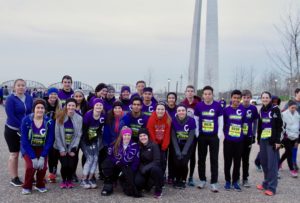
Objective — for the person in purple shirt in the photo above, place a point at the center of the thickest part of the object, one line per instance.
(148, 105)
(249, 130)
(171, 104)
(140, 85)
(182, 137)
(110, 98)
(91, 142)
(125, 99)
(122, 163)
(234, 119)
(135, 119)
(209, 117)
(100, 92)
(171, 108)
(223, 103)
(66, 92)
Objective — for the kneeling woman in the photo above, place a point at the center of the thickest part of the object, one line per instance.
(37, 137)
(150, 171)
(122, 163)
(182, 136)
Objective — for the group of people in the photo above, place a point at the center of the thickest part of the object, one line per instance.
(135, 138)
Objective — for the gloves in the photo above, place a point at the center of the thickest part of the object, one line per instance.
(41, 162)
(35, 163)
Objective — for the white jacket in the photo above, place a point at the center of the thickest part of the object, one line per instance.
(291, 124)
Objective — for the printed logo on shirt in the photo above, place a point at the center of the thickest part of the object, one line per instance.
(211, 113)
(101, 120)
(249, 114)
(239, 112)
(43, 131)
(186, 128)
(140, 121)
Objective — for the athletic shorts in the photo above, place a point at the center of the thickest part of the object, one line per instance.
(12, 139)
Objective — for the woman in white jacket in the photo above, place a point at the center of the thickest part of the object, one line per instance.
(291, 124)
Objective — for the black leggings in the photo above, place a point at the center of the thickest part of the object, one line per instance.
(125, 175)
(193, 158)
(288, 145)
(68, 167)
(53, 158)
(181, 166)
(153, 177)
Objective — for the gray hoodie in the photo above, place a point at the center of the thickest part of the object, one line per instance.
(60, 142)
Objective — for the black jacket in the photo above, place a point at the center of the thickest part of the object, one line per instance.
(149, 157)
(277, 124)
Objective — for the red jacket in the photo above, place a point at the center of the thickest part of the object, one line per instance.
(160, 130)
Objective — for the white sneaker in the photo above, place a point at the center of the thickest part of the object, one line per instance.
(26, 191)
(93, 184)
(214, 187)
(85, 184)
(41, 190)
(201, 184)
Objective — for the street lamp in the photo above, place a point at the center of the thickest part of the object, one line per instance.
(276, 86)
(169, 80)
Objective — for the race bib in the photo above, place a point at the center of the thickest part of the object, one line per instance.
(235, 130)
(207, 125)
(245, 128)
(92, 132)
(266, 133)
(38, 140)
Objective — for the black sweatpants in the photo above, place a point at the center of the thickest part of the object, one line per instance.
(68, 167)
(213, 143)
(53, 158)
(181, 166)
(193, 158)
(232, 154)
(124, 174)
(152, 177)
(171, 162)
(245, 156)
(288, 154)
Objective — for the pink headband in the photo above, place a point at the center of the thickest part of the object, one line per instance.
(126, 131)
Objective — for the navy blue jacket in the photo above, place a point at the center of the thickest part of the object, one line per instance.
(26, 136)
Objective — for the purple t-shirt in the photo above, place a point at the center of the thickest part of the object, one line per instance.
(135, 123)
(38, 135)
(233, 123)
(182, 129)
(266, 119)
(251, 116)
(147, 110)
(223, 103)
(63, 96)
(69, 131)
(92, 124)
(172, 112)
(208, 117)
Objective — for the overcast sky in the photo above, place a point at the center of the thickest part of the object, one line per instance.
(121, 41)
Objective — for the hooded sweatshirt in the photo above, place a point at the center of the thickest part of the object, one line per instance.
(159, 130)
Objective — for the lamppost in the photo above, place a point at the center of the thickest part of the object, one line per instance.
(276, 86)
(290, 93)
(169, 80)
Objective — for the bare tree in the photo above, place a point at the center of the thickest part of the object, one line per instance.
(287, 59)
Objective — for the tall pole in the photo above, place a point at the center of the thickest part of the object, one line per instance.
(211, 61)
(194, 55)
